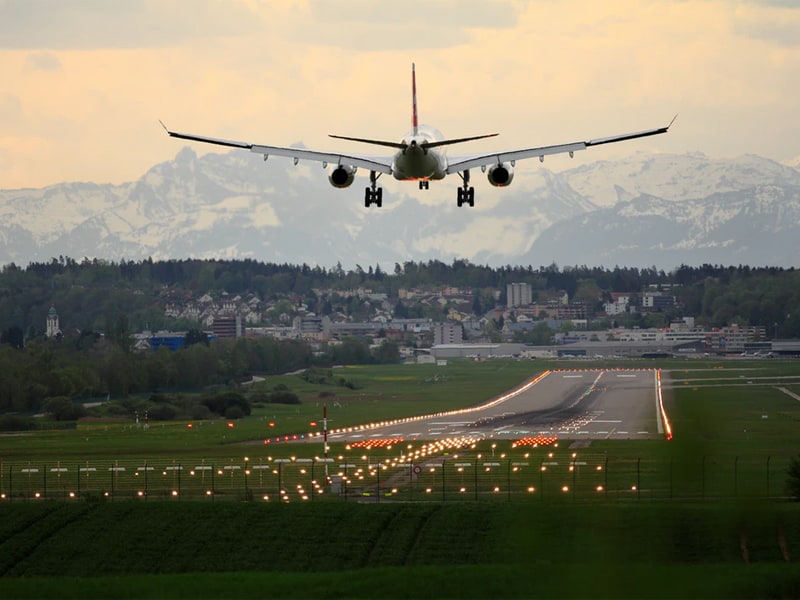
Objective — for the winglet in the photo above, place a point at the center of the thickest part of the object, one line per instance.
(671, 122)
(164, 126)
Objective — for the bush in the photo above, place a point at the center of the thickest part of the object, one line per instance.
(220, 403)
(234, 412)
(793, 478)
(62, 408)
(162, 412)
(16, 423)
(200, 412)
(283, 398)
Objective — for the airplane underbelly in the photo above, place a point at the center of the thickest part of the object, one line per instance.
(418, 166)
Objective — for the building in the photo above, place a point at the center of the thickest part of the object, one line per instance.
(447, 333)
(518, 294)
(228, 327)
(53, 327)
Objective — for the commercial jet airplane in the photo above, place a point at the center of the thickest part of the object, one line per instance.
(418, 157)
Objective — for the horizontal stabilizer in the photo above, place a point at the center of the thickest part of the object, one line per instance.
(403, 146)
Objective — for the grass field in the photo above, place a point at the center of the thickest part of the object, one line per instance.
(702, 515)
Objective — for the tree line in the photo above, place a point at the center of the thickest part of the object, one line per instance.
(95, 367)
(96, 293)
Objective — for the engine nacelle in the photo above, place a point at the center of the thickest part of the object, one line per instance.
(501, 175)
(341, 176)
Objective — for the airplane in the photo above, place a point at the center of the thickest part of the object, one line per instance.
(418, 157)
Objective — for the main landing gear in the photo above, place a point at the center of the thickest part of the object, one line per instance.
(373, 194)
(424, 185)
(466, 193)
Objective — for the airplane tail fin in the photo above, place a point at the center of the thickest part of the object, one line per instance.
(414, 119)
(415, 125)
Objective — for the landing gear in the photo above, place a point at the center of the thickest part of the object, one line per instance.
(373, 194)
(466, 193)
(424, 185)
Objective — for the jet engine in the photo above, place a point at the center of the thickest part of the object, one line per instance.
(501, 175)
(341, 176)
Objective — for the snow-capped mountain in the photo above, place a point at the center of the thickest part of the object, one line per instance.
(646, 210)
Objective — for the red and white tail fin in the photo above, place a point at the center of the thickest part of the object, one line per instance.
(414, 121)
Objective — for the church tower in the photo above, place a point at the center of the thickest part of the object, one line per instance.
(52, 323)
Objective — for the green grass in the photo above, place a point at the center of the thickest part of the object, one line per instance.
(399, 550)
(699, 500)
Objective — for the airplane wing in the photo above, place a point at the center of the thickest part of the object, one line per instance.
(460, 163)
(372, 163)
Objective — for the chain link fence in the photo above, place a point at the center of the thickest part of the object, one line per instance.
(377, 477)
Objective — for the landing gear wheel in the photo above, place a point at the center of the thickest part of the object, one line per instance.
(373, 194)
(466, 193)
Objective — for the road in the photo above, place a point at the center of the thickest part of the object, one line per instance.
(574, 404)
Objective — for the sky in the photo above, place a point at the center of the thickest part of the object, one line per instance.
(84, 83)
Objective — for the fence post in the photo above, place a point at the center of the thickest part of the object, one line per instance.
(638, 478)
(411, 481)
(508, 480)
(703, 478)
(574, 475)
(344, 480)
(476, 478)
(444, 493)
(670, 477)
(768, 457)
(541, 479)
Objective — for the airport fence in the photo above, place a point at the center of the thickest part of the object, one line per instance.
(529, 476)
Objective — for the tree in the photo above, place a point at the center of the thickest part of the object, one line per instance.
(195, 336)
(62, 408)
(13, 336)
(793, 478)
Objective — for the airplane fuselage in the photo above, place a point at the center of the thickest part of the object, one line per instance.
(417, 163)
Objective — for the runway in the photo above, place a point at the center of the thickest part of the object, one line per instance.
(574, 404)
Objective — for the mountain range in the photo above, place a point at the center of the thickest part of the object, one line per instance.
(646, 210)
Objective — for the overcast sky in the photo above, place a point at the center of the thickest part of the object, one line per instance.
(83, 83)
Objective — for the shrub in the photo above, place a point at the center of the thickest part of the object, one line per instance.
(220, 403)
(283, 398)
(16, 423)
(793, 478)
(162, 412)
(234, 412)
(62, 408)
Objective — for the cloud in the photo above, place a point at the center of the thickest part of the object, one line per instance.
(91, 24)
(775, 23)
(44, 61)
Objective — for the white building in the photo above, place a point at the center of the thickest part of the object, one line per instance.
(518, 294)
(53, 328)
